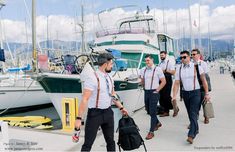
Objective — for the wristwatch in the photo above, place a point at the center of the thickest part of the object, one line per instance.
(78, 118)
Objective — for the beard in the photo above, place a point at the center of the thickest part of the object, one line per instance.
(163, 58)
(108, 71)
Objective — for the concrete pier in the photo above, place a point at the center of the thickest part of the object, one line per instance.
(218, 135)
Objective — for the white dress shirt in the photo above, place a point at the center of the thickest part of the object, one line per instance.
(204, 66)
(187, 76)
(106, 85)
(164, 63)
(158, 74)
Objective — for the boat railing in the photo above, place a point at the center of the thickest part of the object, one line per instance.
(115, 31)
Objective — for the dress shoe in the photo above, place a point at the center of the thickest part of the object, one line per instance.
(165, 114)
(190, 140)
(157, 126)
(206, 120)
(176, 110)
(150, 135)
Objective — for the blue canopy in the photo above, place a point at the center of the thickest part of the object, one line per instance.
(116, 53)
(17, 69)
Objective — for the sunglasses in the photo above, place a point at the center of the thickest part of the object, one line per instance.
(193, 54)
(183, 57)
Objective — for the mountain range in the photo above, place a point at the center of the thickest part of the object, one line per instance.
(62, 47)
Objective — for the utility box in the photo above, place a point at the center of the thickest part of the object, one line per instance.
(69, 113)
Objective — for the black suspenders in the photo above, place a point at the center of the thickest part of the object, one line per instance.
(152, 77)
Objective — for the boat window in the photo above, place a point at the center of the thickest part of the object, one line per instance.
(169, 45)
(133, 59)
(162, 39)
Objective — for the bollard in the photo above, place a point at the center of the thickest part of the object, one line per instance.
(221, 70)
(4, 137)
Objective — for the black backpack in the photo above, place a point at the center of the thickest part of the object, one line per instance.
(129, 137)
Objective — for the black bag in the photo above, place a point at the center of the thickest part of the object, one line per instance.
(200, 81)
(129, 137)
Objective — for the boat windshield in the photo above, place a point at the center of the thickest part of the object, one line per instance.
(137, 25)
(125, 19)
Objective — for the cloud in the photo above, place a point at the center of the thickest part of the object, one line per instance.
(221, 21)
(206, 2)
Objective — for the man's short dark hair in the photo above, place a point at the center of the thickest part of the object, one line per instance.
(196, 50)
(163, 52)
(104, 58)
(148, 56)
(185, 52)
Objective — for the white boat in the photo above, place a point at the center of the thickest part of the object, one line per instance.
(134, 44)
(19, 92)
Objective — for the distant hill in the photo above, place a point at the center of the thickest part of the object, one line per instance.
(61, 47)
(217, 45)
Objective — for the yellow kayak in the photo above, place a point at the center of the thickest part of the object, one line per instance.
(29, 121)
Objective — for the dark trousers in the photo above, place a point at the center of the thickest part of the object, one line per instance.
(165, 94)
(151, 100)
(192, 101)
(99, 118)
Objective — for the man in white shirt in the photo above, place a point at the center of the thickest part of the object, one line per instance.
(98, 94)
(198, 62)
(186, 74)
(168, 69)
(150, 77)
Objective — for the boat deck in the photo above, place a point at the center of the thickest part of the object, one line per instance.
(219, 134)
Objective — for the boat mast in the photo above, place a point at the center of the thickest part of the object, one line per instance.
(190, 25)
(163, 18)
(82, 29)
(209, 42)
(234, 44)
(199, 27)
(1, 6)
(34, 54)
(48, 53)
(1, 45)
(83, 42)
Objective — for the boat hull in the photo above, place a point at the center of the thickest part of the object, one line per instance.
(19, 97)
(64, 86)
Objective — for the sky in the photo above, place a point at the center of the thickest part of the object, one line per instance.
(218, 15)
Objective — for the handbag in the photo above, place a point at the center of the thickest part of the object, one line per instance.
(208, 109)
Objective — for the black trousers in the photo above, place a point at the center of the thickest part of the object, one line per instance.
(165, 94)
(99, 118)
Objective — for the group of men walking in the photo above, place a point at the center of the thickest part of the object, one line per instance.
(157, 83)
(99, 94)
